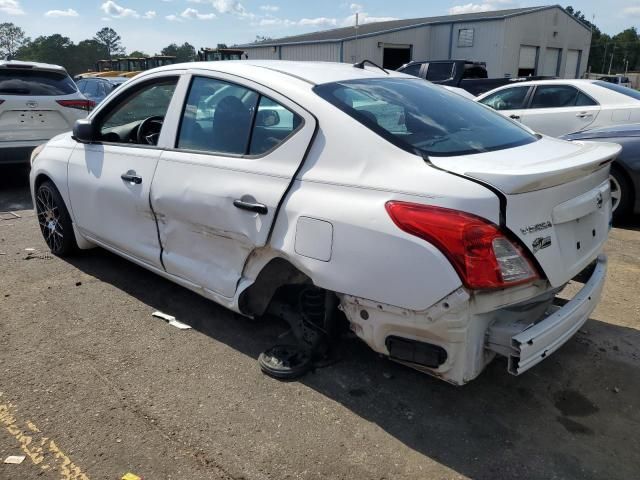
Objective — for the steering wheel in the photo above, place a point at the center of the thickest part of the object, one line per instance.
(149, 130)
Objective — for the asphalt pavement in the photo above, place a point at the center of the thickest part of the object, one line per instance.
(92, 386)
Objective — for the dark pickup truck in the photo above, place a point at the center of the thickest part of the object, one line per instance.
(471, 76)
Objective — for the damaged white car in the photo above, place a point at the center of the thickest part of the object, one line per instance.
(440, 229)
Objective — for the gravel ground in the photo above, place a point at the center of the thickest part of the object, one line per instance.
(92, 386)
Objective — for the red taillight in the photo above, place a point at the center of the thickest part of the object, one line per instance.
(79, 104)
(481, 254)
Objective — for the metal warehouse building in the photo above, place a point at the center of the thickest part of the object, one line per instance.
(517, 42)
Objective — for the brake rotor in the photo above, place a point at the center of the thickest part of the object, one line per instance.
(285, 362)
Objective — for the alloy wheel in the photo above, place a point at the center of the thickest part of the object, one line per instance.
(616, 192)
(49, 219)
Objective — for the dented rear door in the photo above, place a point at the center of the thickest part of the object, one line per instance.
(203, 199)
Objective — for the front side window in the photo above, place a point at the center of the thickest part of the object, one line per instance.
(558, 96)
(422, 118)
(222, 117)
(14, 81)
(507, 99)
(138, 117)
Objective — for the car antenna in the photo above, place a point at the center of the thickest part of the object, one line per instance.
(361, 65)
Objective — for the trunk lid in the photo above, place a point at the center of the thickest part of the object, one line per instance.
(558, 201)
(34, 118)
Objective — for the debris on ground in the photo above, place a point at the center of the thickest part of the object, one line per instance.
(29, 249)
(78, 284)
(172, 320)
(9, 216)
(616, 389)
(15, 459)
(130, 476)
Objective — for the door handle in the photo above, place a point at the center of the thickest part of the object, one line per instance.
(584, 115)
(250, 206)
(515, 117)
(132, 177)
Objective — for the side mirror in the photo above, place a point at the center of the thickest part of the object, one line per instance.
(267, 118)
(83, 131)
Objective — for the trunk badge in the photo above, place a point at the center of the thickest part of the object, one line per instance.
(31, 104)
(540, 243)
(536, 228)
(599, 200)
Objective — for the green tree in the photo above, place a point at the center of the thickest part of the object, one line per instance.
(183, 53)
(12, 38)
(85, 56)
(137, 54)
(111, 41)
(54, 49)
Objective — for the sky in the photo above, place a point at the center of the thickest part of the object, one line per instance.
(150, 25)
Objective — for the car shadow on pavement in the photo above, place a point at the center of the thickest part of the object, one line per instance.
(630, 223)
(575, 415)
(14, 188)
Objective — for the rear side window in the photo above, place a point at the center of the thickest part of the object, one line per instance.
(412, 69)
(629, 92)
(558, 96)
(424, 119)
(222, 117)
(217, 117)
(437, 72)
(35, 83)
(507, 99)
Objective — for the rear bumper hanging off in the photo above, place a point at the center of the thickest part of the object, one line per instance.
(527, 345)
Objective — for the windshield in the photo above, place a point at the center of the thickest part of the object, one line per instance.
(35, 82)
(629, 92)
(423, 118)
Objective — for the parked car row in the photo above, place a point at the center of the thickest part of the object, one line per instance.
(440, 229)
(591, 110)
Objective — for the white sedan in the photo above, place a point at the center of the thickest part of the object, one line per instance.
(560, 107)
(441, 230)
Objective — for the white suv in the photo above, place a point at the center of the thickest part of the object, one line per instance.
(37, 102)
(440, 229)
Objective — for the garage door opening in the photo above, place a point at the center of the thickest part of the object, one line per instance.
(395, 57)
(528, 60)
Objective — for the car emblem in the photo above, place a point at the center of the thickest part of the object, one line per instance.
(540, 243)
(599, 200)
(31, 104)
(536, 228)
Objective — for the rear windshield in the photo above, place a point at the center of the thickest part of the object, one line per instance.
(629, 92)
(35, 83)
(422, 118)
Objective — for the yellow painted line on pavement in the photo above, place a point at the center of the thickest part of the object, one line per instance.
(41, 450)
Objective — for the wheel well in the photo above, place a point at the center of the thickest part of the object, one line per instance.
(623, 173)
(40, 179)
(275, 274)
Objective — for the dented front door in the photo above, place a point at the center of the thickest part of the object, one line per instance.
(214, 208)
(109, 190)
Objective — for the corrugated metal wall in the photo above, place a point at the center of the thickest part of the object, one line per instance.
(496, 42)
(368, 47)
(547, 29)
(488, 45)
(327, 52)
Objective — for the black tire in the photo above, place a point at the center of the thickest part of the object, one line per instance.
(55, 222)
(621, 194)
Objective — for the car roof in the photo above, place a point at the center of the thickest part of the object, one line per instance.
(31, 66)
(310, 72)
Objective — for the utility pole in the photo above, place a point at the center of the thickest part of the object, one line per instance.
(604, 57)
(613, 50)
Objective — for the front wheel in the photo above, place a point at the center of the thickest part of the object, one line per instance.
(55, 222)
(621, 194)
